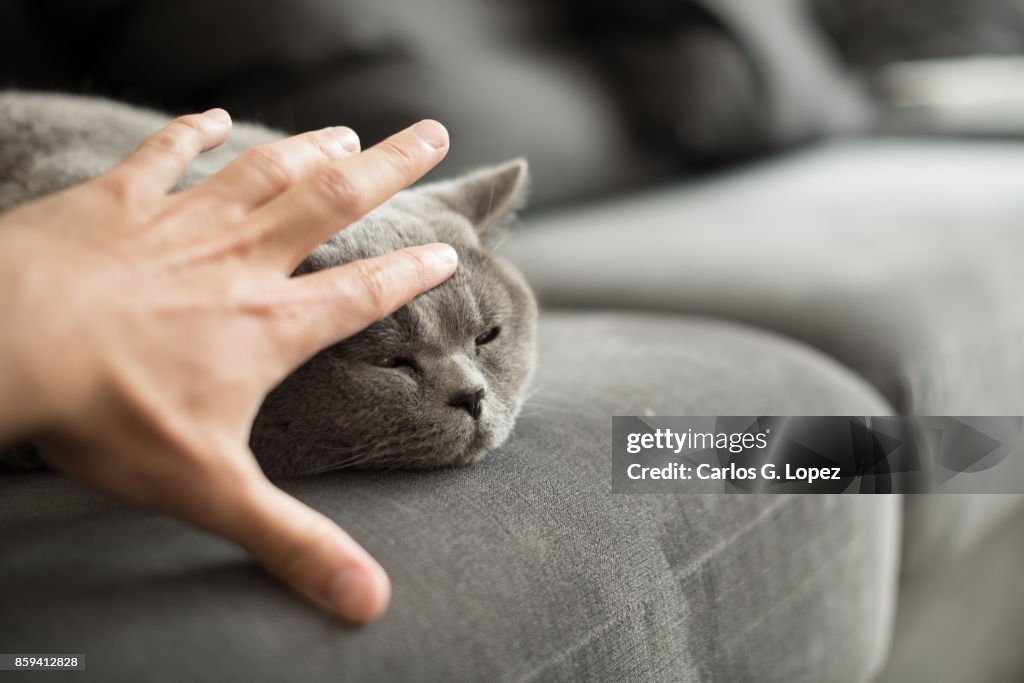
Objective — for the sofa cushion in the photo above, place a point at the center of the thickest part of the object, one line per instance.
(523, 567)
(899, 258)
(963, 621)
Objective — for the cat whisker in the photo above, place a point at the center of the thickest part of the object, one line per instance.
(544, 406)
(497, 245)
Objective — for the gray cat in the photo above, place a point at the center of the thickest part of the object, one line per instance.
(437, 383)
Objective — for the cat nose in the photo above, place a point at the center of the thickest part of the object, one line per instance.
(470, 400)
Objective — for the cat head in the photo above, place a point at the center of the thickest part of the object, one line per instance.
(440, 381)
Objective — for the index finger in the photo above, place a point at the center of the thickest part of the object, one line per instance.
(289, 227)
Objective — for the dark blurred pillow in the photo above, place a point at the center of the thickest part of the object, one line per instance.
(724, 79)
(873, 33)
(808, 92)
(508, 77)
(482, 68)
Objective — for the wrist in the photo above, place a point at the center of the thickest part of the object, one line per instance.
(39, 370)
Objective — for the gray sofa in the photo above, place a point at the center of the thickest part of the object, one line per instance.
(527, 567)
(860, 276)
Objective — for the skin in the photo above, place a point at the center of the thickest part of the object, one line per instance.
(143, 328)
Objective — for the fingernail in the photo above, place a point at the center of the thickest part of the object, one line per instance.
(218, 115)
(432, 133)
(355, 595)
(443, 255)
(341, 142)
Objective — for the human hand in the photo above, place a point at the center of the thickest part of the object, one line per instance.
(143, 329)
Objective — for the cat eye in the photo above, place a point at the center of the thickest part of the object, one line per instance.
(488, 336)
(393, 362)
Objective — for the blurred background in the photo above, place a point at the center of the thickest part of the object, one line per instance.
(896, 259)
(600, 95)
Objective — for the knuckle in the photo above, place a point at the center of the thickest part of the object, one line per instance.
(319, 142)
(189, 125)
(412, 271)
(122, 187)
(167, 142)
(420, 269)
(311, 545)
(401, 158)
(374, 287)
(281, 323)
(271, 164)
(229, 474)
(340, 189)
(180, 137)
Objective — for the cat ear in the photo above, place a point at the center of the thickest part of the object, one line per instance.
(488, 197)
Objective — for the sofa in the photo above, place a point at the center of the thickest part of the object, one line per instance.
(849, 274)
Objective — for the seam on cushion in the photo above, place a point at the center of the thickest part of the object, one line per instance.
(801, 585)
(596, 632)
(703, 558)
(819, 567)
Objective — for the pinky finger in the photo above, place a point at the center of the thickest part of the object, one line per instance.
(157, 164)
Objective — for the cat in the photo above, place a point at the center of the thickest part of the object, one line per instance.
(438, 383)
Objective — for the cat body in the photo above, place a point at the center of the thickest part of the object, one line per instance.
(437, 383)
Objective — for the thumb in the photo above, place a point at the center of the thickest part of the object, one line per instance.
(229, 496)
(309, 552)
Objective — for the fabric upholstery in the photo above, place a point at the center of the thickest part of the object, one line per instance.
(901, 259)
(524, 567)
(963, 621)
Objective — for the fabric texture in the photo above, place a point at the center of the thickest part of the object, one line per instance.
(901, 259)
(963, 620)
(524, 567)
